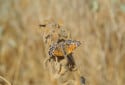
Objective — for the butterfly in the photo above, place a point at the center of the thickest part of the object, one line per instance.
(63, 48)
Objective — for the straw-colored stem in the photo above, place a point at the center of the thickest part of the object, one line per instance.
(5, 80)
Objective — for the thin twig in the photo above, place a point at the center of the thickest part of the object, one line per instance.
(5, 80)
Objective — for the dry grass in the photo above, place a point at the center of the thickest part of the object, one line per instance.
(4, 80)
(98, 24)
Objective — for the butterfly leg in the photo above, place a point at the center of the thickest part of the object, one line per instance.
(46, 61)
(57, 65)
(64, 52)
(56, 59)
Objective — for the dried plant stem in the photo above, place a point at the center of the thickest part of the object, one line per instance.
(5, 80)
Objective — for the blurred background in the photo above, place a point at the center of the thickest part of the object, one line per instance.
(98, 24)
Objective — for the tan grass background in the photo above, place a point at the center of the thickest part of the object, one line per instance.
(98, 24)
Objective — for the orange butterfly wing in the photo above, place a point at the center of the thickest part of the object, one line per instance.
(58, 52)
(69, 46)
